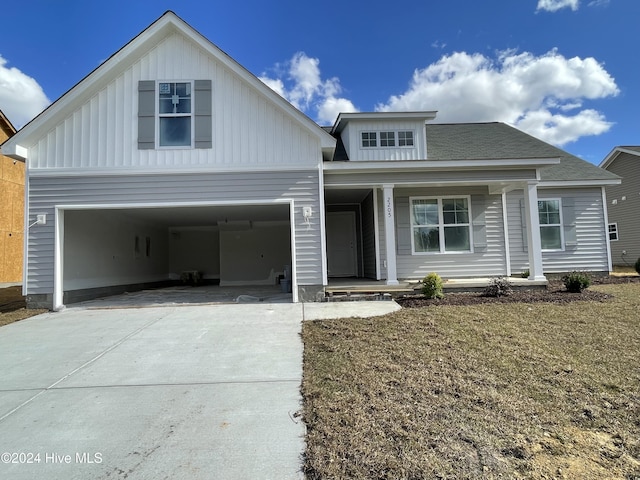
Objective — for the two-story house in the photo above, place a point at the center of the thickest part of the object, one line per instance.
(170, 157)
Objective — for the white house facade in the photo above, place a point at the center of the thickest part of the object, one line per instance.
(170, 157)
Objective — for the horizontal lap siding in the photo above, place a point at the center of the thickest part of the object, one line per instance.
(47, 192)
(485, 261)
(625, 210)
(590, 253)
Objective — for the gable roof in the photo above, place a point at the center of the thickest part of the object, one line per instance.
(478, 141)
(608, 160)
(117, 63)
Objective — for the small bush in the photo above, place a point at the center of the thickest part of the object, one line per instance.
(525, 273)
(432, 286)
(576, 282)
(637, 266)
(498, 287)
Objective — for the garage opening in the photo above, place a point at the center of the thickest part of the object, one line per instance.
(108, 251)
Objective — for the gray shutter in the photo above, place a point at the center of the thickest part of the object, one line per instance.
(203, 124)
(478, 207)
(146, 114)
(403, 225)
(569, 222)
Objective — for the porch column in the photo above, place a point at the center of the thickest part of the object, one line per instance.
(533, 231)
(390, 234)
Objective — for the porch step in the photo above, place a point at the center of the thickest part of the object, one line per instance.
(366, 291)
(378, 290)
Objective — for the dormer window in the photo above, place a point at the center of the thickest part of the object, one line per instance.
(387, 139)
(369, 139)
(405, 139)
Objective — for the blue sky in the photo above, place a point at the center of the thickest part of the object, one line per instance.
(565, 71)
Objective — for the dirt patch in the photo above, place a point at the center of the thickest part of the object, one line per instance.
(13, 306)
(11, 299)
(535, 390)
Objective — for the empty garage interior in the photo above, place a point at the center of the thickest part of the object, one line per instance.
(240, 245)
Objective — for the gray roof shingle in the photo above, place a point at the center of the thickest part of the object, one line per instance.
(478, 141)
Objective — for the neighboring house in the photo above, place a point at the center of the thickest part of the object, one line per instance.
(624, 205)
(171, 158)
(11, 210)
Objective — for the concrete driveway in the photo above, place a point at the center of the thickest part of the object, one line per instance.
(170, 392)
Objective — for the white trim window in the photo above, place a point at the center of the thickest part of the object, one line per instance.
(613, 232)
(175, 114)
(405, 138)
(440, 224)
(387, 139)
(369, 139)
(550, 216)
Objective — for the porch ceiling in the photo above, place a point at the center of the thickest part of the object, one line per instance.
(343, 195)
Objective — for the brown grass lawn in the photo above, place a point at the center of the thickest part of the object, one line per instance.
(514, 390)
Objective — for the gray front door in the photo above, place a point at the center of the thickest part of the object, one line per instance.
(341, 244)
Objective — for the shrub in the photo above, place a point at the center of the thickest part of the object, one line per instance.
(432, 286)
(525, 273)
(576, 282)
(498, 287)
(637, 266)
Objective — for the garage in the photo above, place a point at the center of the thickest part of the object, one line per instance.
(112, 249)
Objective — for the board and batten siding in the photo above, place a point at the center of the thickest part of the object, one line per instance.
(352, 141)
(488, 256)
(249, 129)
(623, 207)
(46, 192)
(584, 231)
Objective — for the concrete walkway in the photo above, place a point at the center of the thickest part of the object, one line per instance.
(176, 392)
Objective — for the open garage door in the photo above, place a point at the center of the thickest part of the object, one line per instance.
(114, 249)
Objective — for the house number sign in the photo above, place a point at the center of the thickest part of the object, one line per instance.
(389, 207)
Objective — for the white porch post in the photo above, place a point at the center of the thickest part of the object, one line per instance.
(533, 232)
(390, 234)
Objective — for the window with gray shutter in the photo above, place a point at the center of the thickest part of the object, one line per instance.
(176, 106)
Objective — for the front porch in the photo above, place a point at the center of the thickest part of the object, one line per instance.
(368, 289)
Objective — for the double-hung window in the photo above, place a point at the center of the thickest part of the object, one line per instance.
(175, 119)
(549, 213)
(440, 225)
(613, 232)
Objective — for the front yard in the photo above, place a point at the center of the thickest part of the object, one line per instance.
(495, 390)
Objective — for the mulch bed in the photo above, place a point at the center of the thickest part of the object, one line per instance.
(555, 293)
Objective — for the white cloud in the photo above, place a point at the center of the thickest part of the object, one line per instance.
(533, 93)
(300, 82)
(21, 97)
(555, 5)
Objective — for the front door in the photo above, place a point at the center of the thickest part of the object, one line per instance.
(341, 244)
